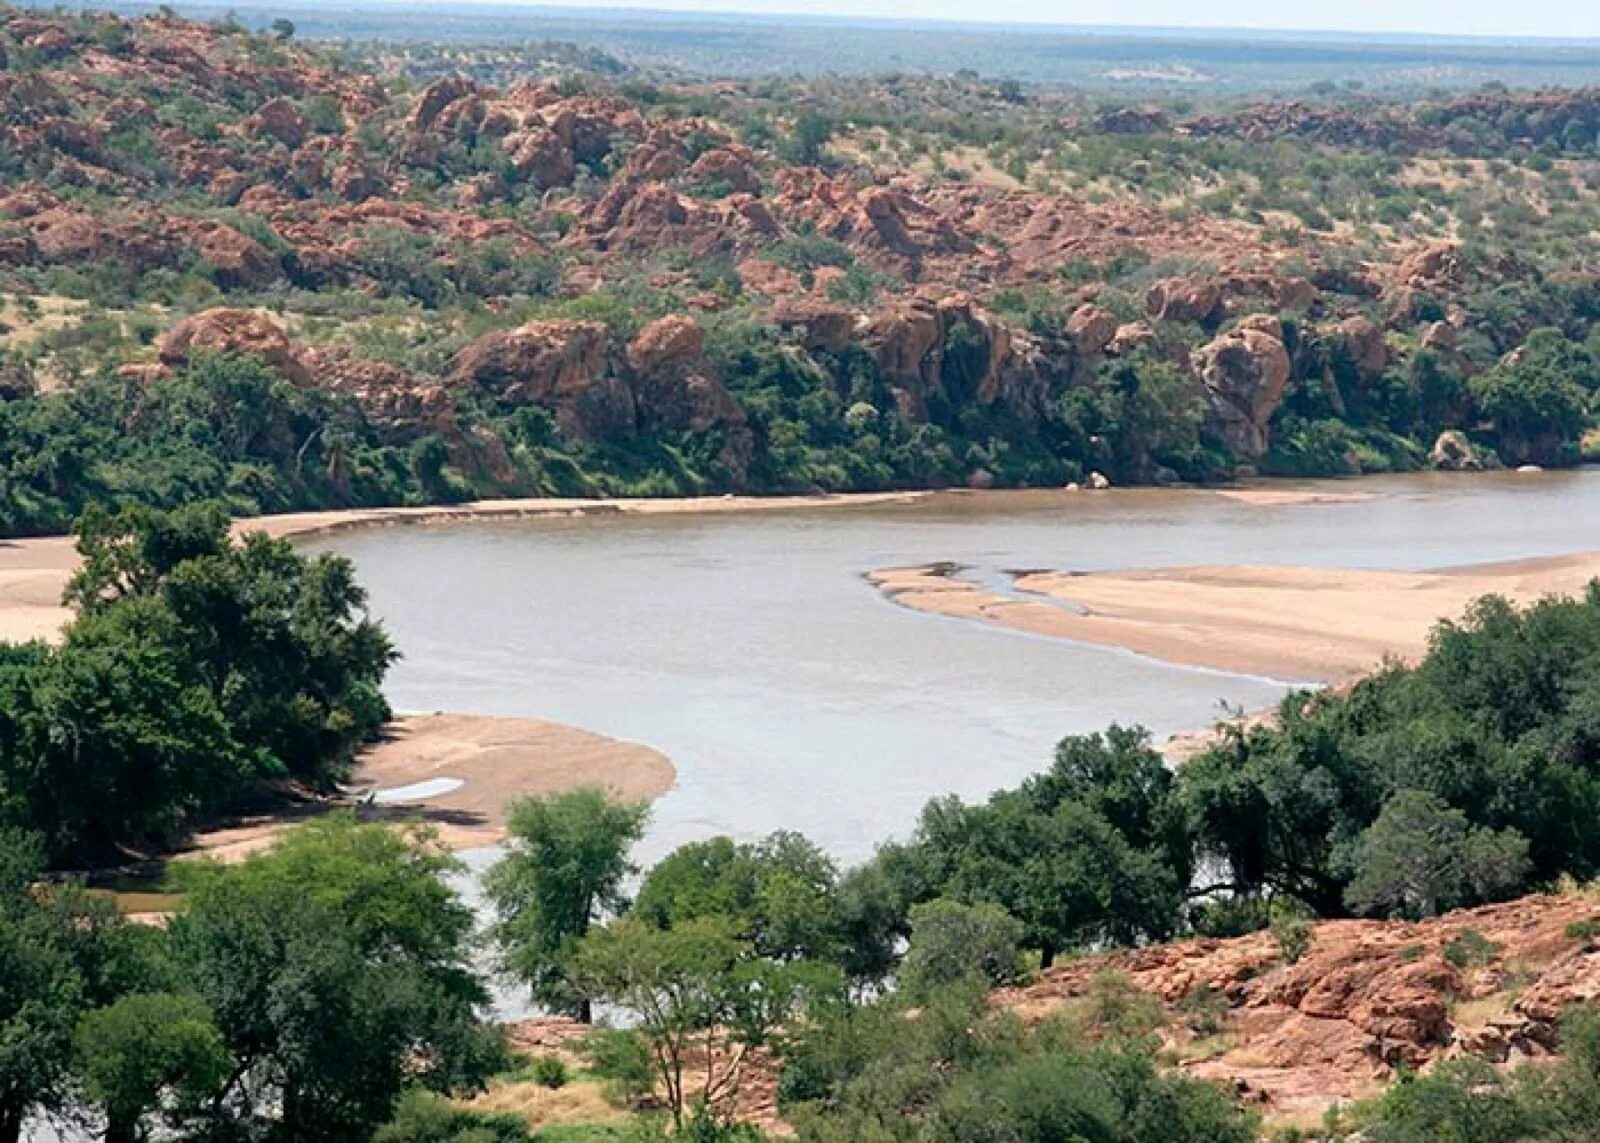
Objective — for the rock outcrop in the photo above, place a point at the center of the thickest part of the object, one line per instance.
(563, 365)
(1093, 328)
(231, 331)
(1365, 1000)
(1363, 340)
(597, 390)
(1453, 452)
(1184, 299)
(1244, 373)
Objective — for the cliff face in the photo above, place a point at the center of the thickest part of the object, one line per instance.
(1365, 999)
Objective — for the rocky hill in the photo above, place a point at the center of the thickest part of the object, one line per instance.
(705, 287)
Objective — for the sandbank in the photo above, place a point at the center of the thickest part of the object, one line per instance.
(1295, 624)
(496, 760)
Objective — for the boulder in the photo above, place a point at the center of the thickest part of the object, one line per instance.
(906, 339)
(539, 154)
(562, 365)
(353, 181)
(1453, 452)
(1432, 266)
(726, 168)
(438, 95)
(1244, 372)
(1093, 328)
(398, 405)
(670, 345)
(61, 234)
(674, 389)
(1364, 340)
(281, 120)
(823, 326)
(1183, 299)
(1262, 323)
(236, 260)
(1129, 338)
(1441, 337)
(232, 331)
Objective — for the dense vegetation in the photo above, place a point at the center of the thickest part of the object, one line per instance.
(407, 241)
(292, 999)
(196, 672)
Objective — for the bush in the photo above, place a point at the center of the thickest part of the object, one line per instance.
(549, 1071)
(423, 1117)
(621, 1059)
(1470, 949)
(1292, 930)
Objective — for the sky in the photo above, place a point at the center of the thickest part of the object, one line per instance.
(1566, 19)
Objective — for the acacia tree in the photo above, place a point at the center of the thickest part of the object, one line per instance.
(566, 858)
(701, 998)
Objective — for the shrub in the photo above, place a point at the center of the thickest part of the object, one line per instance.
(549, 1071)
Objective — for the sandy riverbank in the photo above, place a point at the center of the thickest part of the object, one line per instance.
(298, 524)
(1293, 623)
(495, 760)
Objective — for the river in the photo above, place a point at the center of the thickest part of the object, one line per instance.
(790, 694)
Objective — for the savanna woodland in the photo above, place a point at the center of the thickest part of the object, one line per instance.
(245, 274)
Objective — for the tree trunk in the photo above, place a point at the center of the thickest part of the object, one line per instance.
(120, 1130)
(586, 1011)
(10, 1124)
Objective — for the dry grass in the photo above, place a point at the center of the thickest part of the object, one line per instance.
(1205, 1048)
(1476, 1013)
(581, 1101)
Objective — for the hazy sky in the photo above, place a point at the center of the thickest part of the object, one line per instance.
(1564, 18)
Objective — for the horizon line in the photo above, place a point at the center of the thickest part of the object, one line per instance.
(577, 9)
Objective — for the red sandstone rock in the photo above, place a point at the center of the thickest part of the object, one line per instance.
(233, 331)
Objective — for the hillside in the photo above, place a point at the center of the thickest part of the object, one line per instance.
(581, 282)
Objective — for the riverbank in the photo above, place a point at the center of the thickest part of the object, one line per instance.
(1298, 624)
(465, 770)
(302, 524)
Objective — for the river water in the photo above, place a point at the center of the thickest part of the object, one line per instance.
(790, 694)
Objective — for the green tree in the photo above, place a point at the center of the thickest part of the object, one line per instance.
(778, 893)
(1538, 398)
(701, 997)
(807, 138)
(954, 944)
(144, 1047)
(196, 668)
(566, 858)
(62, 953)
(336, 967)
(1420, 858)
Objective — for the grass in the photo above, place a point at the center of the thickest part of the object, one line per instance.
(1476, 1013)
(1205, 1048)
(580, 1104)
